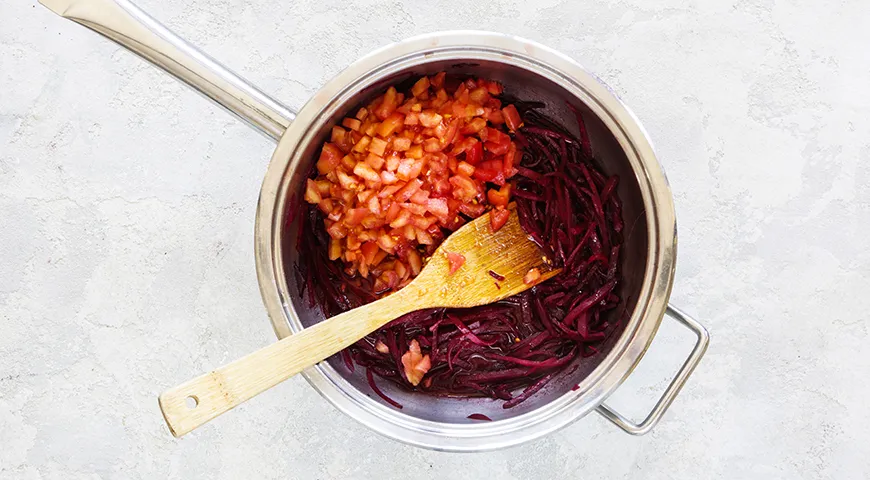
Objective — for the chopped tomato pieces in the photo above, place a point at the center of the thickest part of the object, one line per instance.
(498, 217)
(416, 364)
(500, 197)
(532, 276)
(512, 117)
(408, 168)
(455, 260)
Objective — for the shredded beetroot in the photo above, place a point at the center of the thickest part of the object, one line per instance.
(496, 276)
(377, 390)
(511, 349)
(479, 416)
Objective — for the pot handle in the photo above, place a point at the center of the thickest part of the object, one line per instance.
(673, 389)
(126, 24)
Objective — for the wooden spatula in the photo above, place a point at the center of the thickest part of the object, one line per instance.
(507, 252)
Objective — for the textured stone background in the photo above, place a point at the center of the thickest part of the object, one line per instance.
(127, 206)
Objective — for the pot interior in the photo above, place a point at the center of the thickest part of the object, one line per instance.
(525, 85)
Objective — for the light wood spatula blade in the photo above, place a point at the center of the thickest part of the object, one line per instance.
(508, 253)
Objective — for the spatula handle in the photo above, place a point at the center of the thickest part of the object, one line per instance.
(197, 401)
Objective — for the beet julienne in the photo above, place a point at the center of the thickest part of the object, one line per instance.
(508, 350)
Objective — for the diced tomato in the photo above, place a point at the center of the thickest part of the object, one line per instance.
(363, 144)
(498, 217)
(402, 219)
(465, 168)
(423, 237)
(456, 260)
(312, 193)
(409, 190)
(493, 103)
(351, 242)
(388, 105)
(438, 207)
(532, 276)
(415, 363)
(326, 206)
(400, 268)
(490, 171)
(500, 197)
(465, 189)
(492, 87)
(336, 231)
(378, 147)
(401, 144)
(510, 159)
(419, 197)
(373, 221)
(409, 168)
(334, 249)
(365, 195)
(475, 154)
(421, 87)
(512, 117)
(330, 157)
(393, 211)
(415, 151)
(430, 119)
(479, 95)
(415, 262)
(375, 161)
(387, 243)
(437, 81)
(390, 125)
(450, 134)
(393, 162)
(473, 210)
(475, 125)
(337, 135)
(388, 177)
(364, 170)
(495, 116)
(497, 136)
(355, 216)
(374, 205)
(414, 208)
(412, 119)
(352, 123)
(347, 182)
(497, 148)
(390, 190)
(432, 145)
(441, 186)
(422, 221)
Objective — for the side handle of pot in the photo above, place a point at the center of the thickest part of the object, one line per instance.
(126, 24)
(673, 389)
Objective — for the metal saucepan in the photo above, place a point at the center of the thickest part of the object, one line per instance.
(529, 71)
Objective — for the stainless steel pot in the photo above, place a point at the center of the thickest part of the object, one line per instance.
(529, 71)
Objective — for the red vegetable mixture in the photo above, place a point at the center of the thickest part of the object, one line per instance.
(410, 168)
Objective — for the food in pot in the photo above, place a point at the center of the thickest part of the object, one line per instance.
(411, 167)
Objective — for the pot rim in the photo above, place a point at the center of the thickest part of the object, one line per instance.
(655, 192)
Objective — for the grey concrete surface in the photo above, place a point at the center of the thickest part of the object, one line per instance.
(127, 206)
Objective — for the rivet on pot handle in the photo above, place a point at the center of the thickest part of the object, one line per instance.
(676, 384)
(126, 24)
